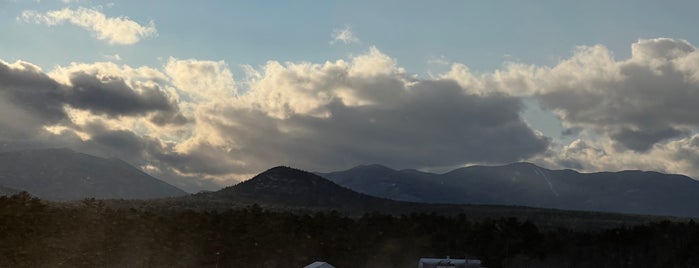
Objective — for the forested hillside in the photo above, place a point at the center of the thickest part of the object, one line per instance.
(92, 234)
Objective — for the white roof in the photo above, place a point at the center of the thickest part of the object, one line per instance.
(451, 261)
(319, 264)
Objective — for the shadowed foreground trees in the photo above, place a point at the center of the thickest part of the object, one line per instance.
(92, 234)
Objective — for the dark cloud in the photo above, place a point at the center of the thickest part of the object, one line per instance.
(169, 118)
(571, 131)
(27, 92)
(29, 99)
(643, 140)
(205, 159)
(120, 143)
(433, 123)
(113, 97)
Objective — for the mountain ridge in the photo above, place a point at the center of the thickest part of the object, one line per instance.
(63, 174)
(526, 184)
(277, 190)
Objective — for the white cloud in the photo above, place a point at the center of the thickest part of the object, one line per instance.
(204, 80)
(114, 57)
(646, 50)
(132, 76)
(344, 35)
(115, 30)
(441, 60)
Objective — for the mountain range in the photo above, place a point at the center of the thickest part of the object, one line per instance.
(63, 174)
(292, 190)
(525, 184)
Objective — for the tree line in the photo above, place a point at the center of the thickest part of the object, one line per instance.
(34, 233)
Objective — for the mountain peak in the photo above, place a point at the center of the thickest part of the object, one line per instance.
(286, 186)
(282, 169)
(284, 180)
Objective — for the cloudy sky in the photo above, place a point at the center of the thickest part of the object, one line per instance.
(204, 94)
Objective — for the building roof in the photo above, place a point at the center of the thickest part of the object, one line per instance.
(449, 261)
(319, 264)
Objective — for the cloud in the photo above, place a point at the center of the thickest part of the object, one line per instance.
(41, 100)
(441, 60)
(113, 97)
(117, 91)
(638, 102)
(339, 114)
(29, 99)
(647, 50)
(200, 79)
(422, 128)
(675, 156)
(115, 30)
(344, 35)
(132, 76)
(114, 57)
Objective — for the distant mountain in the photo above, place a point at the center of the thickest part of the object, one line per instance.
(405, 185)
(62, 174)
(292, 190)
(526, 184)
(289, 187)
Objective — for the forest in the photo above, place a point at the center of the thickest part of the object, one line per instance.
(91, 233)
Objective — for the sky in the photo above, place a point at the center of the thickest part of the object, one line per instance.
(204, 94)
